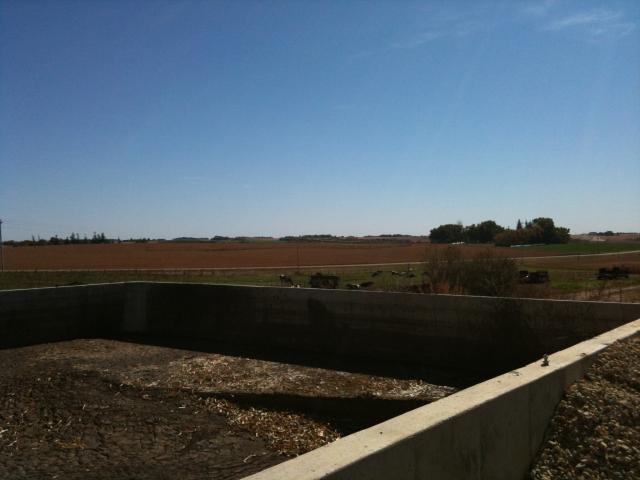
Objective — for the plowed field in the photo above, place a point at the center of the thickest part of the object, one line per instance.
(222, 255)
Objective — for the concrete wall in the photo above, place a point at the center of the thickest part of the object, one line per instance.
(483, 334)
(44, 315)
(489, 431)
(490, 335)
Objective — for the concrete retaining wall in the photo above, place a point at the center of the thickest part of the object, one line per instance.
(488, 335)
(42, 315)
(489, 431)
(491, 335)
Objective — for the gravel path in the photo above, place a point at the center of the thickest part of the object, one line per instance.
(595, 432)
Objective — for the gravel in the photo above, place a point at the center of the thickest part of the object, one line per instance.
(595, 432)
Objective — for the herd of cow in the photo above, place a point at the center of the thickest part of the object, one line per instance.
(319, 280)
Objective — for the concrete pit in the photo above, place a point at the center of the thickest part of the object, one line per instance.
(224, 381)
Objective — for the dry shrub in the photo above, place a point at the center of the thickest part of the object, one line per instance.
(487, 273)
(490, 273)
(443, 271)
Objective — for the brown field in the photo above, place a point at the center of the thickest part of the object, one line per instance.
(587, 262)
(222, 255)
(159, 255)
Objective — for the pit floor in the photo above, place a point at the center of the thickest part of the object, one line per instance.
(103, 409)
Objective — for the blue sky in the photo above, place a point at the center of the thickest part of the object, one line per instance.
(162, 119)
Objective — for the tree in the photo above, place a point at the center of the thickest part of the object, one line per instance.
(539, 230)
(562, 235)
(544, 229)
(519, 225)
(511, 237)
(449, 233)
(484, 232)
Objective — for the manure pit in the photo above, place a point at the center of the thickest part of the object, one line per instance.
(102, 409)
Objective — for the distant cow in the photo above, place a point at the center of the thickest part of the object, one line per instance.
(376, 273)
(403, 274)
(286, 281)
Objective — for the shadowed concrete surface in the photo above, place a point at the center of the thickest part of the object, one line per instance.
(474, 336)
(489, 431)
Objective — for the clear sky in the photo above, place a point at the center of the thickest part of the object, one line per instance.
(163, 119)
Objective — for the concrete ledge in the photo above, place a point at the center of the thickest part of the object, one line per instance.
(489, 431)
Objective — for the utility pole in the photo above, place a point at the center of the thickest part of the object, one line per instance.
(1, 249)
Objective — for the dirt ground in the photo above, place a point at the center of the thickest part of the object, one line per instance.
(595, 431)
(618, 238)
(222, 255)
(101, 409)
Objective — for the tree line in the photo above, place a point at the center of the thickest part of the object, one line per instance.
(72, 239)
(537, 231)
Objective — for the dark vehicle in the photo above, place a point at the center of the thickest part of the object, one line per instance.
(613, 273)
(319, 280)
(540, 276)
